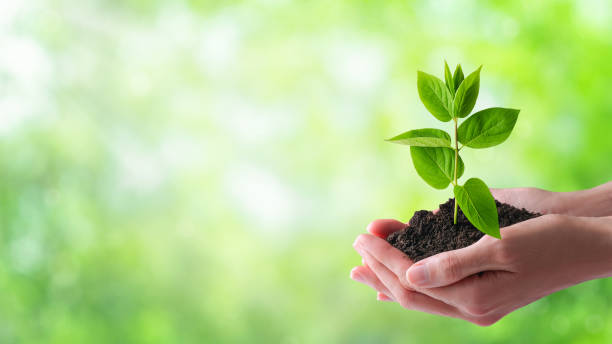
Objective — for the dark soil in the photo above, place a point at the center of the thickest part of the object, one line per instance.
(428, 233)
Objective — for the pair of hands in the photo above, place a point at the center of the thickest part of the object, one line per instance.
(491, 278)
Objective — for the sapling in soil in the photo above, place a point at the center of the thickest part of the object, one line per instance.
(436, 156)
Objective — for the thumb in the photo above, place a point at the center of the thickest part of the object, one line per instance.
(449, 267)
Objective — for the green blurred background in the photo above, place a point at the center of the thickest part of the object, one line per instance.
(196, 171)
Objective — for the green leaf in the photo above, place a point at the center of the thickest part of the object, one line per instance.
(436, 165)
(458, 77)
(487, 128)
(423, 138)
(435, 96)
(466, 95)
(478, 205)
(448, 77)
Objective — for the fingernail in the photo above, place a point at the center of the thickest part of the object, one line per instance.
(418, 274)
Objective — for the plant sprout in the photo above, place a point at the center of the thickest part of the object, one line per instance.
(438, 162)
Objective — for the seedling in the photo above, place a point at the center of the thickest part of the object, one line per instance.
(438, 162)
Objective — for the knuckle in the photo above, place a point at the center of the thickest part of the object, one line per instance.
(487, 240)
(504, 252)
(387, 248)
(406, 300)
(486, 321)
(478, 309)
(554, 220)
(449, 264)
(478, 304)
(404, 283)
(362, 239)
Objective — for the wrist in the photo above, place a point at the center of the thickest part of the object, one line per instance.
(593, 202)
(591, 244)
(596, 259)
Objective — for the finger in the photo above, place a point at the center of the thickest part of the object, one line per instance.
(477, 295)
(370, 276)
(407, 298)
(383, 297)
(383, 227)
(449, 267)
(480, 314)
(383, 252)
(364, 274)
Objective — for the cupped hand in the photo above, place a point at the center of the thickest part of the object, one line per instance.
(489, 279)
(386, 279)
(533, 199)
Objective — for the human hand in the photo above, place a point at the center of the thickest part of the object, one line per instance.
(591, 202)
(485, 281)
(380, 278)
(532, 199)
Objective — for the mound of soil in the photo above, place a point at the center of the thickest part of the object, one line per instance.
(428, 234)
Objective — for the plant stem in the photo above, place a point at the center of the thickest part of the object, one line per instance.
(456, 164)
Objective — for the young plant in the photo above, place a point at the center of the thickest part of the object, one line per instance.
(438, 162)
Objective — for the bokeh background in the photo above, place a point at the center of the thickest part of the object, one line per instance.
(196, 171)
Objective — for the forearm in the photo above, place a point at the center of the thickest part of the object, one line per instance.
(592, 202)
(595, 259)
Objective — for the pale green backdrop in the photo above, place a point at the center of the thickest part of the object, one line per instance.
(196, 171)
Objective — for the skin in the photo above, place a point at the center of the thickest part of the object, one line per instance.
(482, 283)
